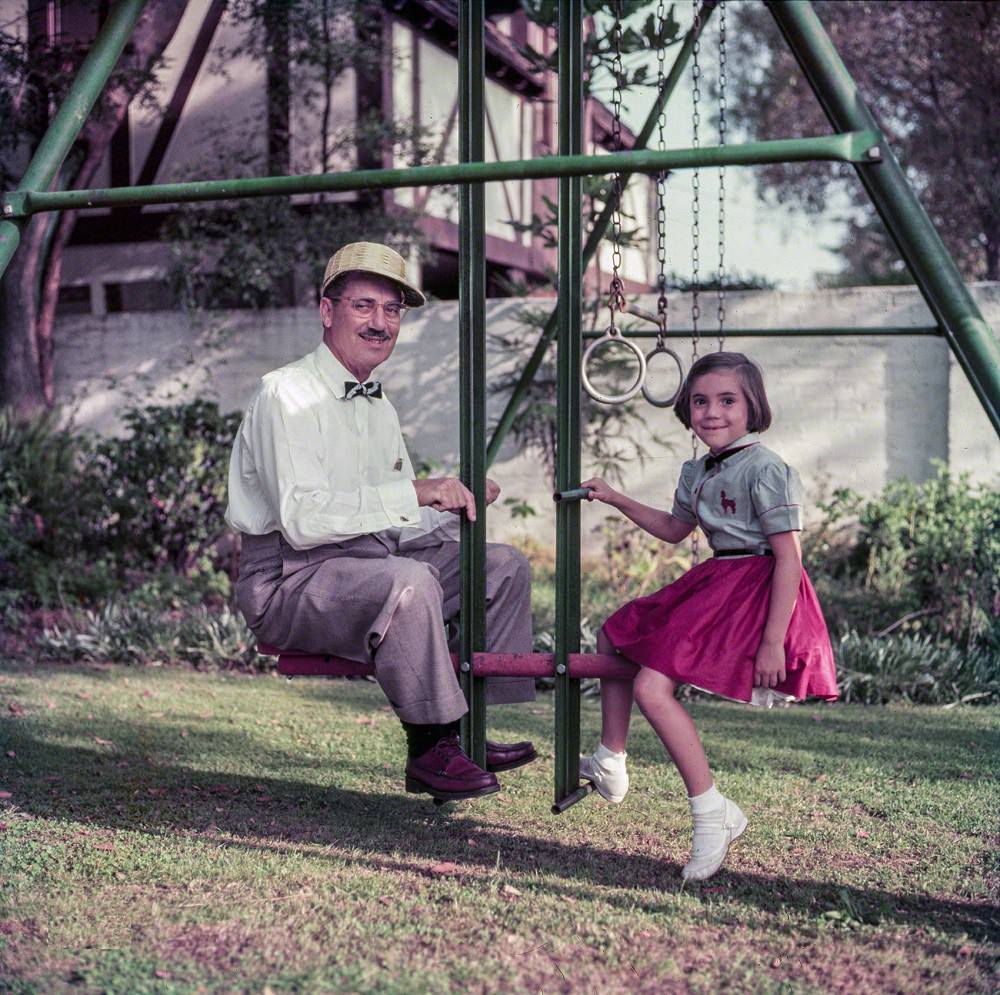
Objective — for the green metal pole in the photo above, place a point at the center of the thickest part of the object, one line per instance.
(746, 333)
(971, 339)
(567, 628)
(472, 372)
(66, 125)
(667, 88)
(849, 147)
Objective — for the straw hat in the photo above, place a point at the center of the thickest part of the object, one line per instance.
(370, 257)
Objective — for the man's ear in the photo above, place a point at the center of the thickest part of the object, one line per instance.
(326, 311)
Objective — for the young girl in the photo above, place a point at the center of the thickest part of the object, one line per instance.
(747, 618)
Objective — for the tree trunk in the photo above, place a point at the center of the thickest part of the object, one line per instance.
(31, 283)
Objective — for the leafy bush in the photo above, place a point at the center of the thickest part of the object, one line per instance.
(80, 520)
(921, 558)
(125, 633)
(50, 514)
(919, 669)
(166, 485)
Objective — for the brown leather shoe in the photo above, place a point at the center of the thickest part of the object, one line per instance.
(447, 774)
(507, 756)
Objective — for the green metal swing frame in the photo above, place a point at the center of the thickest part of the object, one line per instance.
(857, 139)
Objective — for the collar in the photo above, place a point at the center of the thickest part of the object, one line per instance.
(332, 371)
(744, 442)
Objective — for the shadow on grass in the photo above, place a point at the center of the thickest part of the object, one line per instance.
(387, 832)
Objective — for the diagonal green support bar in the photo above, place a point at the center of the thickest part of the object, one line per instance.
(667, 88)
(970, 337)
(66, 125)
(567, 628)
(472, 369)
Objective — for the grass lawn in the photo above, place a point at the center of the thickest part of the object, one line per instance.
(163, 830)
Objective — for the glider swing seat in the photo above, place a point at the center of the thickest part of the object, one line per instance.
(581, 666)
(856, 139)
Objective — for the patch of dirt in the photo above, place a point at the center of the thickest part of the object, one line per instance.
(217, 947)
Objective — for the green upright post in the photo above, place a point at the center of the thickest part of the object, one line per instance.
(567, 731)
(971, 339)
(472, 374)
(66, 125)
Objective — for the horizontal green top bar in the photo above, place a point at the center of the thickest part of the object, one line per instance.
(852, 146)
(708, 332)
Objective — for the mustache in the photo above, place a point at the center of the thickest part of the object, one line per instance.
(374, 331)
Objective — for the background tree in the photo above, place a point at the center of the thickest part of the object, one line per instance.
(930, 73)
(249, 252)
(33, 80)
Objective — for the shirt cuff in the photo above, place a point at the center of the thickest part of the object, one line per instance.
(783, 518)
(399, 502)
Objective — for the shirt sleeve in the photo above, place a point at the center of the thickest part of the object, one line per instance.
(777, 498)
(301, 489)
(683, 508)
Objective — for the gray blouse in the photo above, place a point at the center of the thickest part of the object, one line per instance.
(739, 502)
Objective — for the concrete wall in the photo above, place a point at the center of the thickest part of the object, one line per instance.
(848, 411)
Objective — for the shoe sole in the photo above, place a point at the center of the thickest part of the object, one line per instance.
(415, 787)
(737, 833)
(512, 764)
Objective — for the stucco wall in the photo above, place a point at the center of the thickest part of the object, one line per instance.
(848, 411)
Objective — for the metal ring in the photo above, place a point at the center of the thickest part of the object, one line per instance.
(613, 335)
(657, 402)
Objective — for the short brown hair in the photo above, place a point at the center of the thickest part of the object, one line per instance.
(758, 409)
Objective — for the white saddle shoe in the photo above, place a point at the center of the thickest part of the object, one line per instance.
(714, 833)
(606, 771)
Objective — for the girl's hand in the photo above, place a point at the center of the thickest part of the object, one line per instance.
(769, 665)
(600, 491)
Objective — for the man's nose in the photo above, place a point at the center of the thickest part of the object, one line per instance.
(377, 320)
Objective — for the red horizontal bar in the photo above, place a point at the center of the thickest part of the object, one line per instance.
(581, 665)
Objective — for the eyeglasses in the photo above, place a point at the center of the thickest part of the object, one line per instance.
(364, 307)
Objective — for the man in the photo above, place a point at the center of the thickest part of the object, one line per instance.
(345, 552)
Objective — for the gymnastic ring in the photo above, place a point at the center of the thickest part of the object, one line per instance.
(659, 402)
(613, 335)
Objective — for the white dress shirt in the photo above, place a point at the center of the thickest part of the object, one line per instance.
(320, 468)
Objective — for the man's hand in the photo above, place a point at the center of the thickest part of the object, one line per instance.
(769, 665)
(447, 494)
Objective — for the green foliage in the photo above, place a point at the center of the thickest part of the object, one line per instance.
(166, 485)
(921, 557)
(919, 669)
(50, 513)
(81, 519)
(135, 634)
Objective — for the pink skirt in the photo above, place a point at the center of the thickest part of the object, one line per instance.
(704, 629)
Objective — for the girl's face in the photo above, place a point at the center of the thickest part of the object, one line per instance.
(719, 409)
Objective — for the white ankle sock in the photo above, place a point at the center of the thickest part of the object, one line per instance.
(603, 753)
(707, 801)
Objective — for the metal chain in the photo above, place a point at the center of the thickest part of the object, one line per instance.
(661, 184)
(616, 291)
(695, 230)
(721, 272)
(695, 180)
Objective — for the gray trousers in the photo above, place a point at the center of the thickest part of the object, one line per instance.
(367, 599)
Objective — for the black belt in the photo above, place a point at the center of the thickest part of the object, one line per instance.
(743, 552)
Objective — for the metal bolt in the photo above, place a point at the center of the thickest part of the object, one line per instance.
(8, 209)
(561, 669)
(874, 152)
(466, 666)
